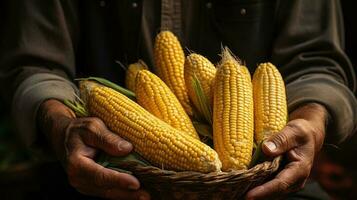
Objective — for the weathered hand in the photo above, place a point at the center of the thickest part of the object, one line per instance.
(300, 142)
(76, 142)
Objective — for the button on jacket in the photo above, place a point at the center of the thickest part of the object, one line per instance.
(46, 44)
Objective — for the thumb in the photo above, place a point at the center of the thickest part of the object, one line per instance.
(280, 142)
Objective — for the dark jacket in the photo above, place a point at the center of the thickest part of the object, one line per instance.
(45, 44)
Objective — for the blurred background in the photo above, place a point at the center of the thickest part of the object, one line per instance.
(23, 177)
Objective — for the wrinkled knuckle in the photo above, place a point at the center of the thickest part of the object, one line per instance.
(281, 139)
(99, 178)
(283, 185)
(113, 139)
(92, 127)
(97, 122)
(93, 124)
(101, 139)
(299, 131)
(299, 125)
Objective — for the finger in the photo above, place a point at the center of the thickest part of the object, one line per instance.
(285, 140)
(75, 146)
(291, 179)
(84, 171)
(104, 139)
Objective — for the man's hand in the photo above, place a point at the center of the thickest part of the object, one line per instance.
(76, 142)
(299, 141)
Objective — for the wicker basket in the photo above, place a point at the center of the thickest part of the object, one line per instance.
(165, 184)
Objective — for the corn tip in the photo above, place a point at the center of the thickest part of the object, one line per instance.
(227, 55)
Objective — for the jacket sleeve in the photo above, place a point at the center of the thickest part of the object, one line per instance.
(37, 57)
(309, 49)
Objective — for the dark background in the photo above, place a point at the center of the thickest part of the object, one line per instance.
(23, 177)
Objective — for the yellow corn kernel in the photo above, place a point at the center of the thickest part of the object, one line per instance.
(154, 95)
(200, 67)
(247, 73)
(155, 140)
(169, 62)
(270, 107)
(233, 114)
(131, 73)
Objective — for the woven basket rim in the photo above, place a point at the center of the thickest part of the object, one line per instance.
(263, 169)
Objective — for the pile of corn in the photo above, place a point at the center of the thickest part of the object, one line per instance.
(238, 111)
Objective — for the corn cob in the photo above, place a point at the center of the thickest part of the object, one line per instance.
(270, 107)
(233, 114)
(154, 95)
(155, 140)
(131, 73)
(169, 62)
(200, 67)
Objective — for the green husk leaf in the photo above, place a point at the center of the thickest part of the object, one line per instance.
(121, 65)
(143, 64)
(103, 160)
(204, 130)
(78, 108)
(120, 170)
(204, 106)
(113, 162)
(258, 156)
(112, 85)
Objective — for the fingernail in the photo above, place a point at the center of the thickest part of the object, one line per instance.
(271, 145)
(125, 145)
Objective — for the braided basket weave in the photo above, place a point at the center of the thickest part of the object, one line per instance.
(165, 184)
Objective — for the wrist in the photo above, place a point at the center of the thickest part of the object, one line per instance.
(52, 120)
(54, 107)
(311, 112)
